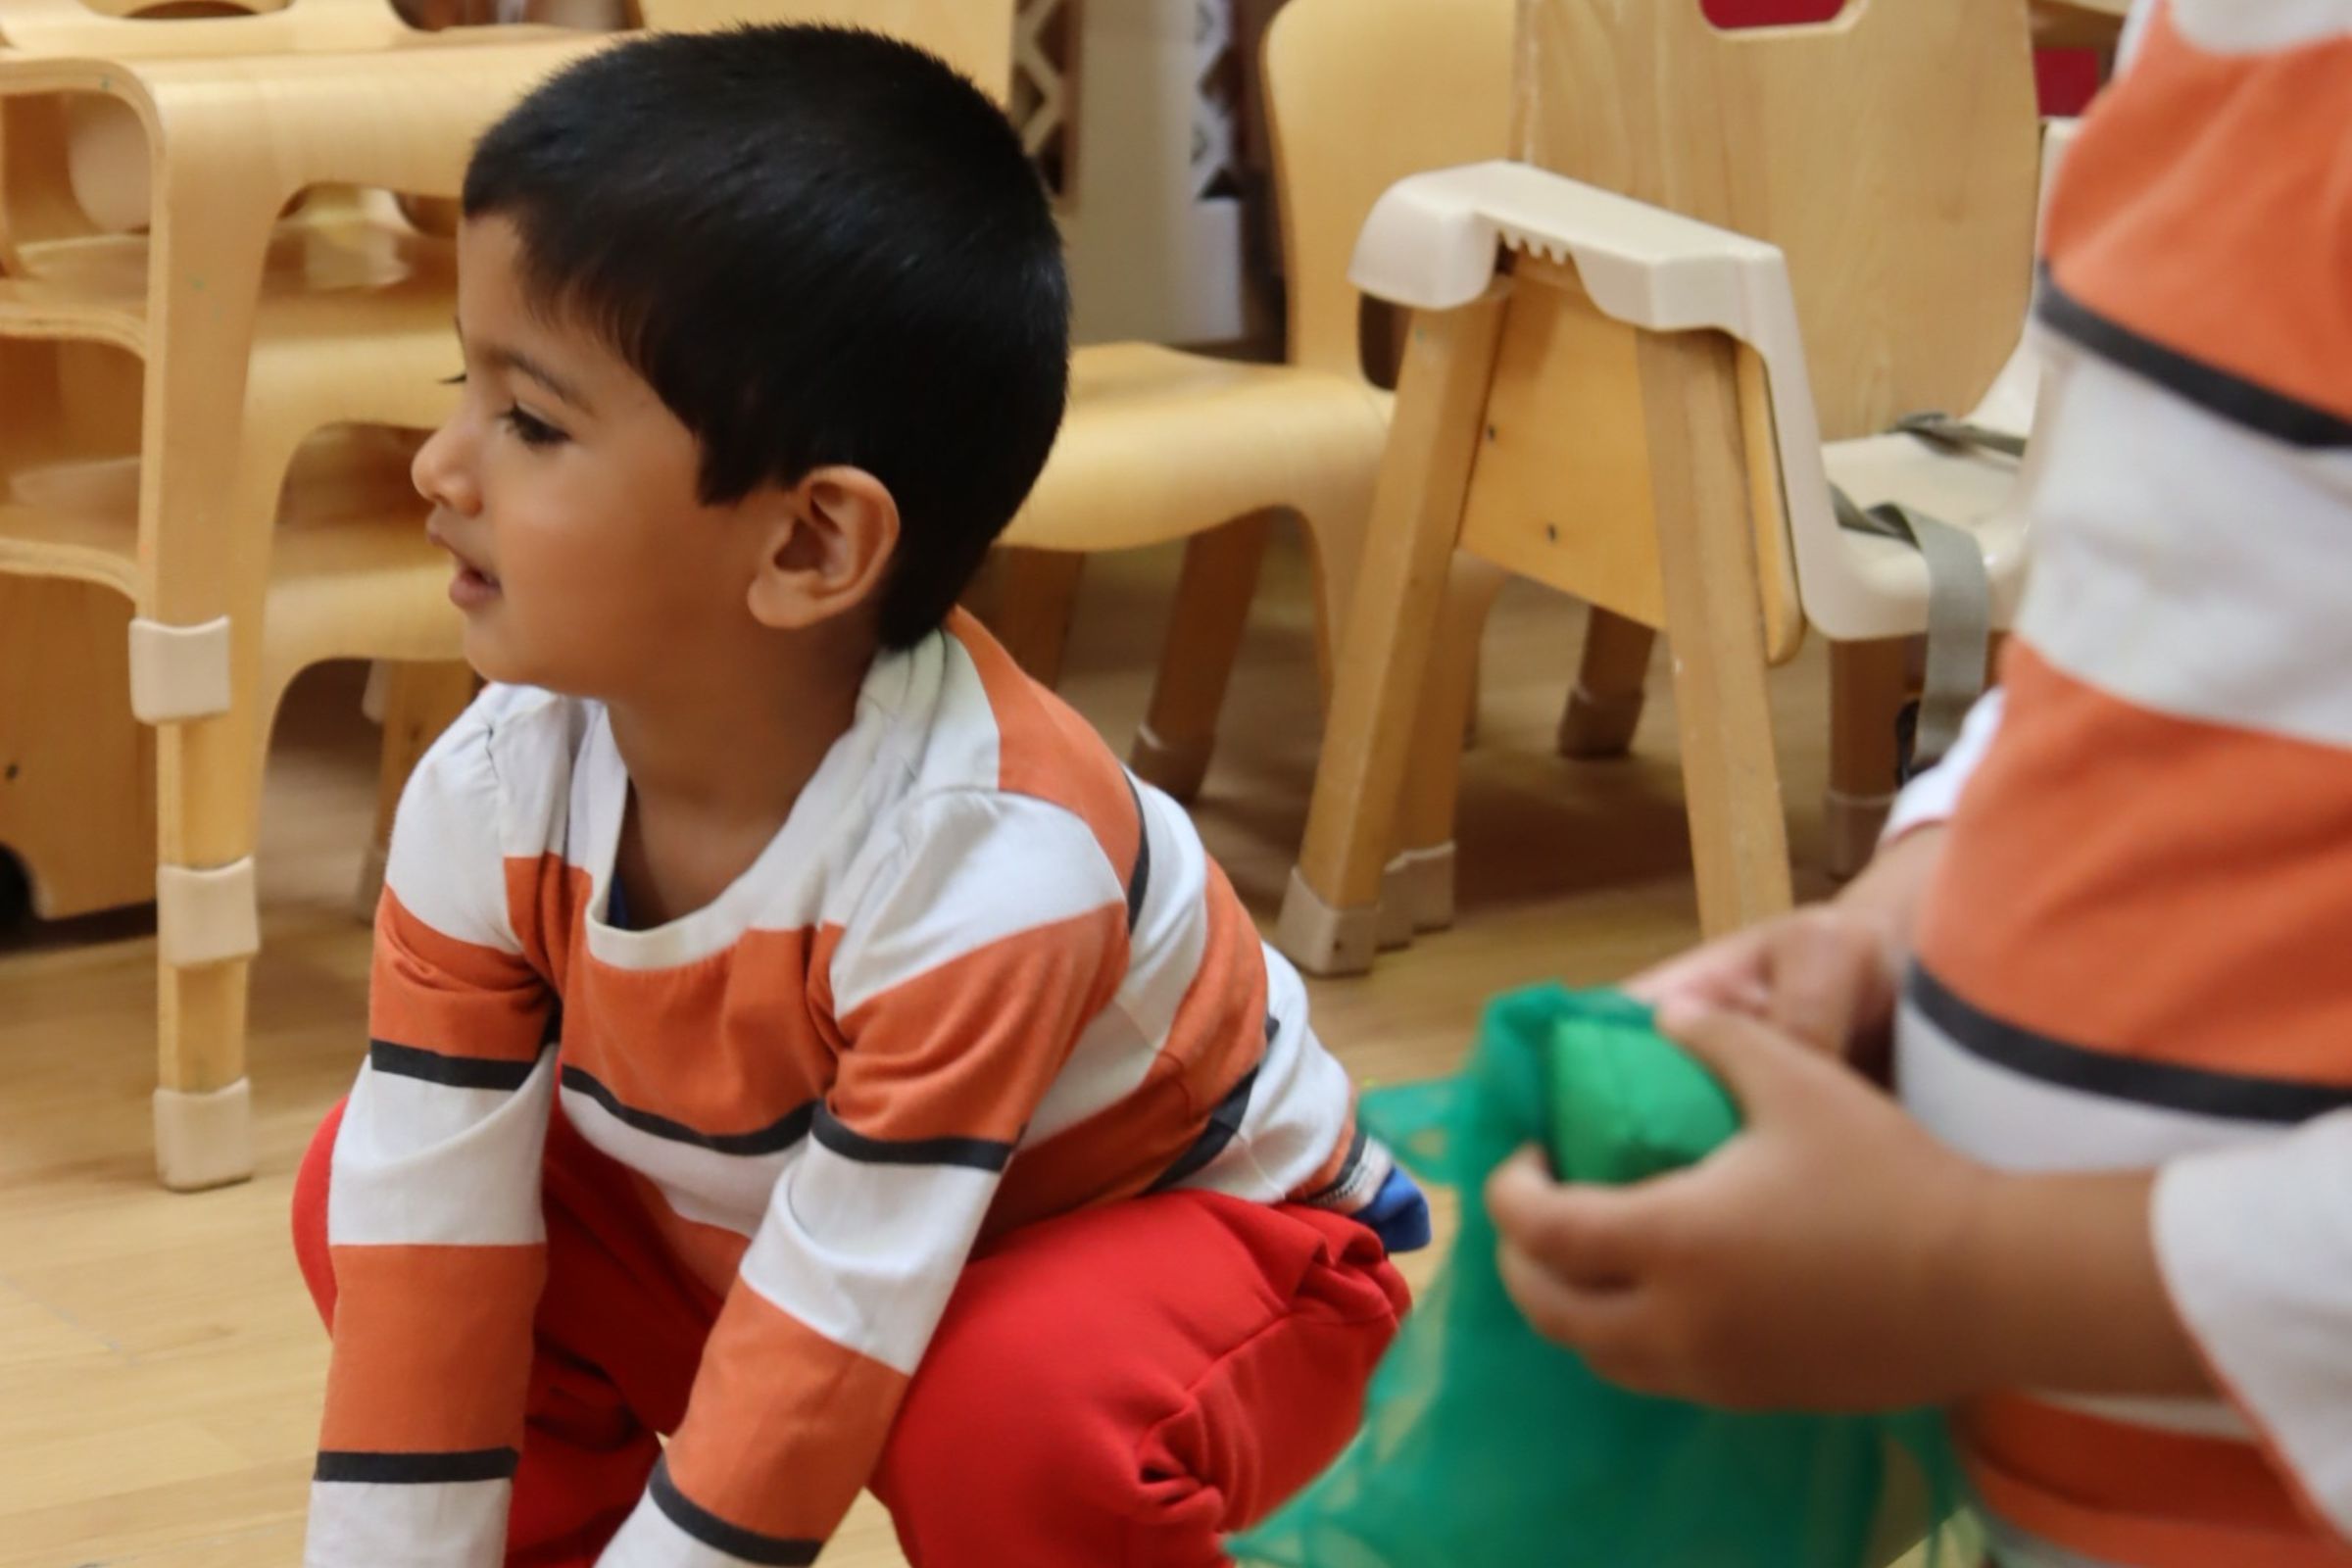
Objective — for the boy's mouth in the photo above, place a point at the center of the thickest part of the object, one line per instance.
(471, 587)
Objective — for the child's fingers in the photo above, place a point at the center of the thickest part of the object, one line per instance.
(1593, 1235)
(1729, 973)
(1607, 1324)
(1819, 976)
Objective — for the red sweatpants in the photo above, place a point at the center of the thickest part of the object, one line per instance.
(1118, 1386)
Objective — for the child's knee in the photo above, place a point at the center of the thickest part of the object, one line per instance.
(1016, 1457)
(311, 1180)
(1139, 1420)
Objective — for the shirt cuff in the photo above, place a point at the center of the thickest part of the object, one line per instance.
(2255, 1244)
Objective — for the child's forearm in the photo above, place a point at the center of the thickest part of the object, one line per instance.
(2052, 1282)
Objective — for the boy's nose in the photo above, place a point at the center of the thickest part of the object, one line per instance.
(443, 476)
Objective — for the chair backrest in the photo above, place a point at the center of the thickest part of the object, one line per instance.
(973, 36)
(1891, 154)
(1359, 94)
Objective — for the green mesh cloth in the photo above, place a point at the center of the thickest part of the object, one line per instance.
(1486, 1446)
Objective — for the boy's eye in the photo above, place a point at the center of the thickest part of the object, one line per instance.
(531, 430)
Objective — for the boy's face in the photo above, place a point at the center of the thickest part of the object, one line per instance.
(566, 489)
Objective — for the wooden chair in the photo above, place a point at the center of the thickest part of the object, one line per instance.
(1587, 423)
(1162, 445)
(195, 490)
(1870, 683)
(183, 378)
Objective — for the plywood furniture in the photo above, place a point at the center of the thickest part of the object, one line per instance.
(1162, 445)
(1854, 204)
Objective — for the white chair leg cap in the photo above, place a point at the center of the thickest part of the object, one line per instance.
(1322, 940)
(204, 1139)
(1427, 885)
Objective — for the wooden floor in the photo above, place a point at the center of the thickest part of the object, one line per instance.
(160, 1366)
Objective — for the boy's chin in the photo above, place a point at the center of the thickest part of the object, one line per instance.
(496, 660)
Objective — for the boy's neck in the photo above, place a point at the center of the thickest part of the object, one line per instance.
(715, 765)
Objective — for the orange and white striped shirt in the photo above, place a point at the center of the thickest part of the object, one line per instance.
(978, 978)
(2130, 955)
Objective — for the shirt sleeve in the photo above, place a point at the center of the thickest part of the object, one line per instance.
(2255, 1243)
(1934, 795)
(969, 965)
(433, 1218)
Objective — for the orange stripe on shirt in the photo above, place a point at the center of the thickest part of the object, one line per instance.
(711, 1253)
(2139, 884)
(1219, 1031)
(784, 1426)
(547, 900)
(1045, 750)
(435, 993)
(727, 1045)
(2205, 206)
(1115, 1154)
(947, 1054)
(432, 1347)
(2126, 1494)
(1217, 1035)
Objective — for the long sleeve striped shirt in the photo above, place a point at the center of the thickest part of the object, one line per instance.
(2134, 954)
(981, 976)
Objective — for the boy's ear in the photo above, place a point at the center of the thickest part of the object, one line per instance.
(827, 544)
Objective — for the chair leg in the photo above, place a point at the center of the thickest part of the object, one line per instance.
(1204, 635)
(207, 932)
(1868, 684)
(419, 702)
(1417, 893)
(1037, 593)
(1715, 617)
(1604, 707)
(1331, 913)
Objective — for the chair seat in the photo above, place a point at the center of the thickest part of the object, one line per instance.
(1157, 440)
(1975, 489)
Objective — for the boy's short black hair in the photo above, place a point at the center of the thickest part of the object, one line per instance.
(819, 246)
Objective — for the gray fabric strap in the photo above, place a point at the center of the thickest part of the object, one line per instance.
(1959, 435)
(1959, 615)
(1959, 588)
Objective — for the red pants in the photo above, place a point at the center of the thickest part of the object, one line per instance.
(1118, 1386)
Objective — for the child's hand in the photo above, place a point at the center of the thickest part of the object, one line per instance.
(1824, 975)
(1806, 1264)
(1829, 974)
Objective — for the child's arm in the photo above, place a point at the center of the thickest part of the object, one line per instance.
(965, 975)
(1835, 1256)
(433, 1214)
